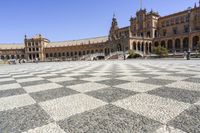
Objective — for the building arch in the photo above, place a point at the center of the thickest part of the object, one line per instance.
(134, 45)
(185, 44)
(119, 47)
(138, 45)
(156, 44)
(163, 44)
(170, 45)
(2, 57)
(177, 45)
(195, 41)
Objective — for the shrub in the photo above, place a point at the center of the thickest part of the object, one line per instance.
(132, 54)
(162, 52)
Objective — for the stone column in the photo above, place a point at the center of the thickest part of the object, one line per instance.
(181, 43)
(173, 46)
(144, 48)
(136, 46)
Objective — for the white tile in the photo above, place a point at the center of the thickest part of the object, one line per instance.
(46, 75)
(72, 74)
(4, 75)
(99, 74)
(94, 79)
(137, 86)
(88, 87)
(10, 86)
(15, 102)
(159, 73)
(132, 78)
(154, 107)
(29, 79)
(6, 79)
(168, 129)
(41, 87)
(185, 85)
(61, 79)
(64, 107)
(50, 128)
(165, 77)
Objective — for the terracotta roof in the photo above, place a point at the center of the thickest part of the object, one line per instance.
(78, 42)
(12, 46)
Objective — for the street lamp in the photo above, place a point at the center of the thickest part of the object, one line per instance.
(123, 39)
(188, 53)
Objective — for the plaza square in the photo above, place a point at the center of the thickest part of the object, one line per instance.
(154, 96)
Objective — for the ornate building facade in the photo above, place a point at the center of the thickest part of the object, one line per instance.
(177, 32)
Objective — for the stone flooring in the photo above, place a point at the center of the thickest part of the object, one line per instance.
(135, 96)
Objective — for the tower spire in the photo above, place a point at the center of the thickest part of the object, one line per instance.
(141, 2)
(199, 3)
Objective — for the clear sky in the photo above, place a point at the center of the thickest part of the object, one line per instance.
(60, 20)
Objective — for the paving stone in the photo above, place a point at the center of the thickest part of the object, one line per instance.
(177, 94)
(52, 94)
(112, 82)
(188, 121)
(111, 94)
(23, 119)
(109, 119)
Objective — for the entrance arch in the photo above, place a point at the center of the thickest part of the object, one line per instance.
(170, 45)
(195, 41)
(178, 45)
(185, 44)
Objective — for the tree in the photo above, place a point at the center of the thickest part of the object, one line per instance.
(161, 51)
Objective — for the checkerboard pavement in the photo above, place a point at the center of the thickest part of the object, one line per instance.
(119, 97)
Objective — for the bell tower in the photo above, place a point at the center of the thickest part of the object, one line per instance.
(114, 27)
(197, 17)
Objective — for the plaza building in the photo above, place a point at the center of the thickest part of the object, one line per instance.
(178, 32)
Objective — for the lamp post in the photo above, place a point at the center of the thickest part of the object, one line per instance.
(123, 42)
(188, 53)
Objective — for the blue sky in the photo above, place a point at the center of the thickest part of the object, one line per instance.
(60, 20)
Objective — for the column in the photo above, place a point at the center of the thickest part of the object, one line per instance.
(136, 46)
(181, 44)
(144, 48)
(173, 46)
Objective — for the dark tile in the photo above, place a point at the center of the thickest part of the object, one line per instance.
(52, 94)
(181, 75)
(72, 82)
(146, 75)
(111, 94)
(112, 82)
(6, 93)
(34, 83)
(194, 80)
(82, 76)
(8, 82)
(188, 121)
(157, 81)
(109, 119)
(177, 94)
(23, 119)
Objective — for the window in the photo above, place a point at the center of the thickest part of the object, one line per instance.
(177, 20)
(37, 49)
(172, 21)
(175, 30)
(33, 49)
(186, 28)
(164, 32)
(167, 23)
(30, 49)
